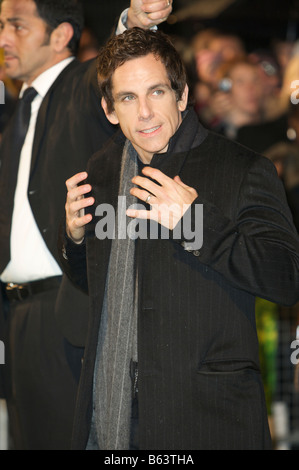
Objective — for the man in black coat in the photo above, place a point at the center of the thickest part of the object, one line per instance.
(67, 125)
(171, 359)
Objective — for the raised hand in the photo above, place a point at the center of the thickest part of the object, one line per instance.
(76, 202)
(169, 199)
(147, 13)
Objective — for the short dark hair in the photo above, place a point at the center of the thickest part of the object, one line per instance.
(134, 43)
(55, 12)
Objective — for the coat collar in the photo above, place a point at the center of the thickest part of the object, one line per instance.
(189, 135)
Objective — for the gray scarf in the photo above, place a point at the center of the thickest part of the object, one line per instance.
(117, 342)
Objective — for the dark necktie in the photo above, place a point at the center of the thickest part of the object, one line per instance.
(9, 164)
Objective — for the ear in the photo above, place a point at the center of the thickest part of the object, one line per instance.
(112, 117)
(182, 103)
(61, 36)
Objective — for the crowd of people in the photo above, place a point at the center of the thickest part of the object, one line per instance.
(249, 96)
(237, 90)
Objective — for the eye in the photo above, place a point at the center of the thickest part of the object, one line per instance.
(18, 27)
(128, 98)
(158, 92)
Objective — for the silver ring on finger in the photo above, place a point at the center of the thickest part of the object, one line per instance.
(148, 198)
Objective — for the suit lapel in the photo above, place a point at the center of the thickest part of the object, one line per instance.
(40, 131)
(42, 118)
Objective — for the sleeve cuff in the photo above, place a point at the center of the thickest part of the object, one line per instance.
(122, 23)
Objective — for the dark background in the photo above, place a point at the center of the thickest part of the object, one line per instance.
(258, 22)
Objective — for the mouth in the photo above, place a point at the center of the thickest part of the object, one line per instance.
(150, 132)
(8, 57)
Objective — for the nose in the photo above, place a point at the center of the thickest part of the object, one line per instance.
(145, 112)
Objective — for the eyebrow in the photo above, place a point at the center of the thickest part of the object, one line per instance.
(16, 18)
(12, 20)
(122, 94)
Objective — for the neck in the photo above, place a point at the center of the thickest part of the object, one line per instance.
(146, 160)
(55, 60)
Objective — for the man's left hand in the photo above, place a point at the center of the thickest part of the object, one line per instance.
(148, 13)
(169, 199)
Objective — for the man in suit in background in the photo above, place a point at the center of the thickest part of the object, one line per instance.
(171, 359)
(67, 125)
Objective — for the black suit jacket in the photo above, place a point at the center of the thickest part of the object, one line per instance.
(71, 126)
(199, 380)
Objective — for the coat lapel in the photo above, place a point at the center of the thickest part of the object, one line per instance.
(189, 135)
(42, 119)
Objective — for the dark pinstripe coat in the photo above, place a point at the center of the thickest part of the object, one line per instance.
(199, 380)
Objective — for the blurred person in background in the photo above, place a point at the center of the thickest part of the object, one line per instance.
(271, 77)
(263, 136)
(239, 101)
(211, 49)
(244, 107)
(89, 46)
(283, 51)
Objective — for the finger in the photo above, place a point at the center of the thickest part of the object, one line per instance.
(79, 222)
(78, 192)
(75, 180)
(75, 228)
(158, 11)
(77, 206)
(167, 186)
(138, 214)
(168, 219)
(141, 194)
(157, 6)
(178, 180)
(146, 184)
(192, 193)
(167, 191)
(157, 18)
(158, 176)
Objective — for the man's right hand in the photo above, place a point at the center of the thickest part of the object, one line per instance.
(147, 13)
(76, 202)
